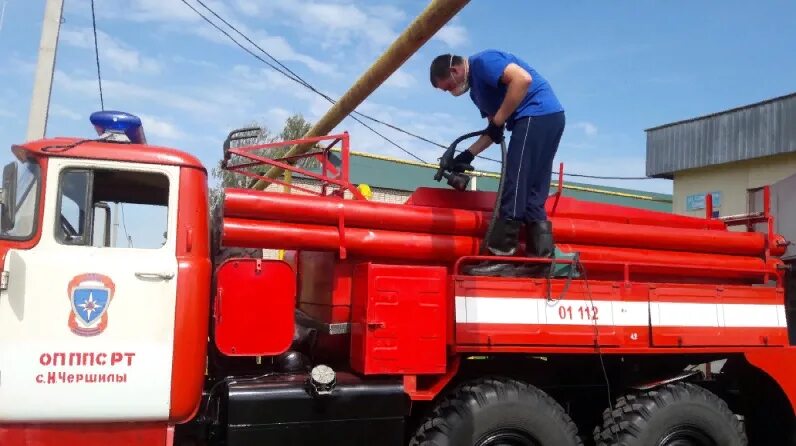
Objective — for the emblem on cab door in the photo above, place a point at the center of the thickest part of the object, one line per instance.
(90, 296)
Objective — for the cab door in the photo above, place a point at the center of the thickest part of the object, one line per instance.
(87, 319)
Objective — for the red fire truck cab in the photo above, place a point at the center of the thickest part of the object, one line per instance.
(648, 329)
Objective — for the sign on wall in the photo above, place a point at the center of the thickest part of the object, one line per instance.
(696, 202)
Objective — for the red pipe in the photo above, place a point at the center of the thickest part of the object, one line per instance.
(448, 248)
(746, 267)
(357, 213)
(567, 207)
(421, 219)
(358, 242)
(585, 232)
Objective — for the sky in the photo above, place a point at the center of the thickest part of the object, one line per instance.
(618, 68)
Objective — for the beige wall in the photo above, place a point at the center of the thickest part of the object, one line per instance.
(732, 180)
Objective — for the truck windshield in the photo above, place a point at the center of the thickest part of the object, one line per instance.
(28, 181)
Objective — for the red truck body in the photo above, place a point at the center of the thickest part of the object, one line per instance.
(641, 301)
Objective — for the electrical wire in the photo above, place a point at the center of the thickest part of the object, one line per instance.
(124, 226)
(582, 269)
(294, 77)
(290, 74)
(576, 266)
(96, 52)
(297, 78)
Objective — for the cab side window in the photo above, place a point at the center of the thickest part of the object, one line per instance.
(112, 208)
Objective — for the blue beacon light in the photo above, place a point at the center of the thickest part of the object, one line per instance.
(118, 126)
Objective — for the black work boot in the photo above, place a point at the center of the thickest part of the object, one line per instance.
(503, 241)
(538, 243)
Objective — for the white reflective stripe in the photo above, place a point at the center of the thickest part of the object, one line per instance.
(681, 314)
(538, 311)
(502, 310)
(461, 309)
(507, 310)
(746, 315)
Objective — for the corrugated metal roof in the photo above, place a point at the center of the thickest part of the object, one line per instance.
(383, 172)
(753, 131)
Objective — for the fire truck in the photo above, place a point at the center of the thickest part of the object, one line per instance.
(643, 328)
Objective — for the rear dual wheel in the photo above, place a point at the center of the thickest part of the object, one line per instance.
(497, 412)
(679, 414)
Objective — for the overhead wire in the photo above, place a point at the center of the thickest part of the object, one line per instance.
(96, 53)
(297, 78)
(290, 74)
(294, 77)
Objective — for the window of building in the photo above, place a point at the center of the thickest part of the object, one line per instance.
(112, 208)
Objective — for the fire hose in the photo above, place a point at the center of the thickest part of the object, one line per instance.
(458, 180)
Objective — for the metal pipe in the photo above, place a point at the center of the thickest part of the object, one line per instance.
(745, 267)
(567, 206)
(445, 248)
(425, 25)
(242, 203)
(392, 245)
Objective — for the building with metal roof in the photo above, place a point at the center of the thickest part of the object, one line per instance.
(400, 177)
(725, 154)
(393, 180)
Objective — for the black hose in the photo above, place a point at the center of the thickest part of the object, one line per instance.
(495, 211)
(447, 158)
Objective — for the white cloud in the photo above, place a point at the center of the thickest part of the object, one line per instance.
(276, 46)
(174, 14)
(160, 128)
(18, 66)
(250, 7)
(154, 10)
(400, 79)
(275, 119)
(341, 24)
(124, 91)
(113, 53)
(590, 129)
(262, 79)
(195, 62)
(61, 111)
(279, 48)
(452, 35)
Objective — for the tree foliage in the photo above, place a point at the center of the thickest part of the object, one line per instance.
(295, 127)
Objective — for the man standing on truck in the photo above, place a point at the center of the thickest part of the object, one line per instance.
(510, 94)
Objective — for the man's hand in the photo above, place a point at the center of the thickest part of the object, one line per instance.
(495, 132)
(462, 162)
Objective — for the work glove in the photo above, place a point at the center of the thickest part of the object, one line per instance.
(494, 132)
(462, 162)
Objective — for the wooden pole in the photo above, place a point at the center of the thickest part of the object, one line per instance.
(45, 68)
(431, 20)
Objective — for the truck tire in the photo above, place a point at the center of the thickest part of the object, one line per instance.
(497, 411)
(675, 414)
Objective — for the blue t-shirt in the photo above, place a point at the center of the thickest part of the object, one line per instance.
(487, 92)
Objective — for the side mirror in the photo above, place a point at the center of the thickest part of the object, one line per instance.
(8, 197)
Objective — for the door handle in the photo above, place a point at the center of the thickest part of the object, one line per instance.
(163, 276)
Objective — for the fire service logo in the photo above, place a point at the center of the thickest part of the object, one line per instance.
(90, 296)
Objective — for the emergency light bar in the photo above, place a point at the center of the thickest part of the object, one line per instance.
(118, 126)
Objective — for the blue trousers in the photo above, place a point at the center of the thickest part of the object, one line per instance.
(529, 165)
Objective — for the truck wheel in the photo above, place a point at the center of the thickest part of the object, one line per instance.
(673, 415)
(497, 412)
